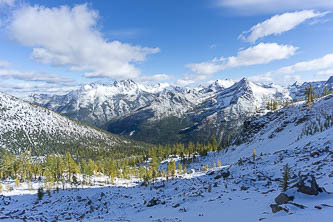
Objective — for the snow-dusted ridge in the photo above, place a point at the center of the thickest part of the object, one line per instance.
(244, 195)
(135, 109)
(24, 125)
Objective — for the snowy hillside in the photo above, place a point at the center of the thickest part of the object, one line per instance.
(23, 126)
(294, 135)
(224, 113)
(297, 90)
(174, 114)
(98, 104)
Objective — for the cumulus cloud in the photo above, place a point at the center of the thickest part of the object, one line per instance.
(34, 76)
(23, 88)
(262, 53)
(65, 36)
(279, 24)
(315, 64)
(185, 82)
(328, 72)
(272, 6)
(156, 78)
(320, 66)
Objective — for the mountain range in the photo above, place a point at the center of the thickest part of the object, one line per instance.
(27, 126)
(163, 113)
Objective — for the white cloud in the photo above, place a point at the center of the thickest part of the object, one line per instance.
(184, 82)
(4, 64)
(279, 24)
(155, 78)
(68, 37)
(206, 68)
(315, 64)
(272, 6)
(328, 72)
(34, 76)
(285, 75)
(23, 88)
(262, 53)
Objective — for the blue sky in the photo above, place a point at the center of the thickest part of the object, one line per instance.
(54, 46)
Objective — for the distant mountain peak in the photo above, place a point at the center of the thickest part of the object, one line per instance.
(330, 80)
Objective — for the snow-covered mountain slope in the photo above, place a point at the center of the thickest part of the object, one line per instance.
(173, 114)
(297, 90)
(23, 126)
(241, 190)
(98, 104)
(224, 113)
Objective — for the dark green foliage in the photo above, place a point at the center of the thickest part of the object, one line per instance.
(310, 95)
(285, 178)
(40, 193)
(326, 92)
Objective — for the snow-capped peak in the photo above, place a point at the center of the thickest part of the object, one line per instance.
(330, 80)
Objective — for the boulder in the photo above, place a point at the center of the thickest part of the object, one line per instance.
(225, 174)
(153, 202)
(283, 198)
(311, 188)
(276, 208)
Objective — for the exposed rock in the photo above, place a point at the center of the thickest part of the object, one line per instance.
(175, 205)
(298, 205)
(318, 207)
(153, 202)
(283, 198)
(313, 189)
(244, 188)
(225, 174)
(210, 173)
(276, 208)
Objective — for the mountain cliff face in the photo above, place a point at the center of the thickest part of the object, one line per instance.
(170, 114)
(297, 91)
(24, 126)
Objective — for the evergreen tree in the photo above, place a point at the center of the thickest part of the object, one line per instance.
(180, 168)
(214, 144)
(285, 178)
(310, 95)
(326, 92)
(275, 105)
(40, 193)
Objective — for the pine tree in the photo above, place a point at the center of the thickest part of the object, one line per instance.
(275, 105)
(254, 153)
(326, 91)
(17, 182)
(310, 95)
(172, 168)
(268, 105)
(285, 178)
(180, 168)
(214, 144)
(40, 193)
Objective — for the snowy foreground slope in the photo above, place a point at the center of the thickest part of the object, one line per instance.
(295, 135)
(23, 125)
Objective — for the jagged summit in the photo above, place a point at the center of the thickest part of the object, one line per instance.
(219, 85)
(330, 80)
(130, 108)
(23, 126)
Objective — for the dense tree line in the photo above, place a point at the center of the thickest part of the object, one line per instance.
(78, 168)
